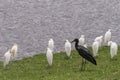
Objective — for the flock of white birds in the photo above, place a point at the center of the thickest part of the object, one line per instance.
(12, 53)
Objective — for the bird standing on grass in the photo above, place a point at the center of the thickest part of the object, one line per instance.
(14, 50)
(99, 39)
(6, 58)
(49, 56)
(95, 47)
(107, 36)
(84, 52)
(113, 48)
(82, 40)
(68, 48)
(51, 44)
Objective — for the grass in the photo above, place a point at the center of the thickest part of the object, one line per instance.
(36, 68)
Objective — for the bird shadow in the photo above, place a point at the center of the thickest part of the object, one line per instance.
(96, 57)
(6, 67)
(48, 66)
(78, 69)
(114, 59)
(67, 58)
(88, 70)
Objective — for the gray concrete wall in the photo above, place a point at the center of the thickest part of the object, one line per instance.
(31, 23)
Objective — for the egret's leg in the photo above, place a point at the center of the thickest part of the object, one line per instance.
(85, 61)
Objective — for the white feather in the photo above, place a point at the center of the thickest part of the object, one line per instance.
(6, 58)
(95, 48)
(49, 56)
(68, 48)
(85, 45)
(113, 48)
(14, 50)
(51, 44)
(82, 40)
(99, 39)
(107, 36)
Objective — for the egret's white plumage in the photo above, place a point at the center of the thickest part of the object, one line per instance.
(113, 48)
(68, 48)
(6, 58)
(95, 47)
(99, 39)
(85, 45)
(51, 44)
(107, 36)
(82, 40)
(14, 50)
(49, 56)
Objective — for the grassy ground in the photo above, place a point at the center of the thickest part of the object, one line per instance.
(36, 68)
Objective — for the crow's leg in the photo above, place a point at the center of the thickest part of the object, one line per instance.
(83, 62)
(82, 65)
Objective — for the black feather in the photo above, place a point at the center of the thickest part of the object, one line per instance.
(85, 53)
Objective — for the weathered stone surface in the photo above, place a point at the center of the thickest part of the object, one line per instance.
(31, 23)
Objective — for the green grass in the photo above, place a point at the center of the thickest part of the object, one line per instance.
(36, 68)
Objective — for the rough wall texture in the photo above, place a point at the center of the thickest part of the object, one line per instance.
(31, 23)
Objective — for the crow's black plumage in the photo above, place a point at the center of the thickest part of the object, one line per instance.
(84, 52)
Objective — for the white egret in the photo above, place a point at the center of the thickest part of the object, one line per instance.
(82, 40)
(107, 36)
(14, 50)
(99, 39)
(51, 44)
(68, 48)
(6, 58)
(113, 48)
(49, 56)
(95, 47)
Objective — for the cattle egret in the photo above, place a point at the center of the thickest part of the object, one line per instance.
(68, 48)
(95, 47)
(85, 45)
(49, 56)
(113, 48)
(99, 39)
(6, 58)
(107, 36)
(14, 50)
(82, 40)
(51, 44)
(84, 52)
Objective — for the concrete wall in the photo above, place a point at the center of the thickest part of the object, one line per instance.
(31, 23)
